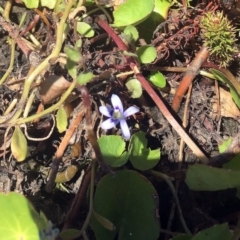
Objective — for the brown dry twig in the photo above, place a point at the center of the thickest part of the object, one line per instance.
(193, 70)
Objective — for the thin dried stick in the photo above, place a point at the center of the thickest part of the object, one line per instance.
(60, 151)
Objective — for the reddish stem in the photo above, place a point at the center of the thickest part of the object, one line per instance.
(152, 93)
(192, 71)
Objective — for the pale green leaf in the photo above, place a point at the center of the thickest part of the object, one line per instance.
(62, 119)
(85, 29)
(19, 145)
(135, 87)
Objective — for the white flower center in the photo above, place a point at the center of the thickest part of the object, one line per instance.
(117, 114)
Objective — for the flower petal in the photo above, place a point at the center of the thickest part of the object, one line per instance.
(125, 129)
(106, 111)
(117, 103)
(130, 111)
(109, 123)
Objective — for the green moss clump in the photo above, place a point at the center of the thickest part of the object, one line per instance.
(219, 36)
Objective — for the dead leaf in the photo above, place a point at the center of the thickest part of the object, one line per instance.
(53, 87)
(228, 107)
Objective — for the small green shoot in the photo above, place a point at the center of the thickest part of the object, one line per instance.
(134, 87)
(146, 54)
(19, 145)
(73, 54)
(85, 29)
(84, 78)
(157, 79)
(62, 119)
(130, 34)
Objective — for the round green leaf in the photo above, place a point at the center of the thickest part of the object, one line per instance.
(157, 79)
(113, 150)
(132, 12)
(128, 200)
(18, 219)
(132, 31)
(146, 54)
(141, 157)
(85, 29)
(62, 119)
(19, 145)
(135, 87)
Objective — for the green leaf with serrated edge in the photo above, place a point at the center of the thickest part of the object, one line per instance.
(48, 4)
(141, 157)
(215, 232)
(18, 218)
(132, 12)
(85, 29)
(62, 119)
(84, 78)
(157, 79)
(223, 146)
(19, 145)
(31, 3)
(113, 150)
(72, 68)
(134, 87)
(128, 200)
(73, 54)
(146, 54)
(104, 222)
(206, 178)
(132, 31)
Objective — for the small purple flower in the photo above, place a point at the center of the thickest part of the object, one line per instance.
(116, 115)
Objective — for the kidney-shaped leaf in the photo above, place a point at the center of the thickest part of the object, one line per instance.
(18, 219)
(128, 201)
(141, 157)
(132, 12)
(146, 54)
(113, 150)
